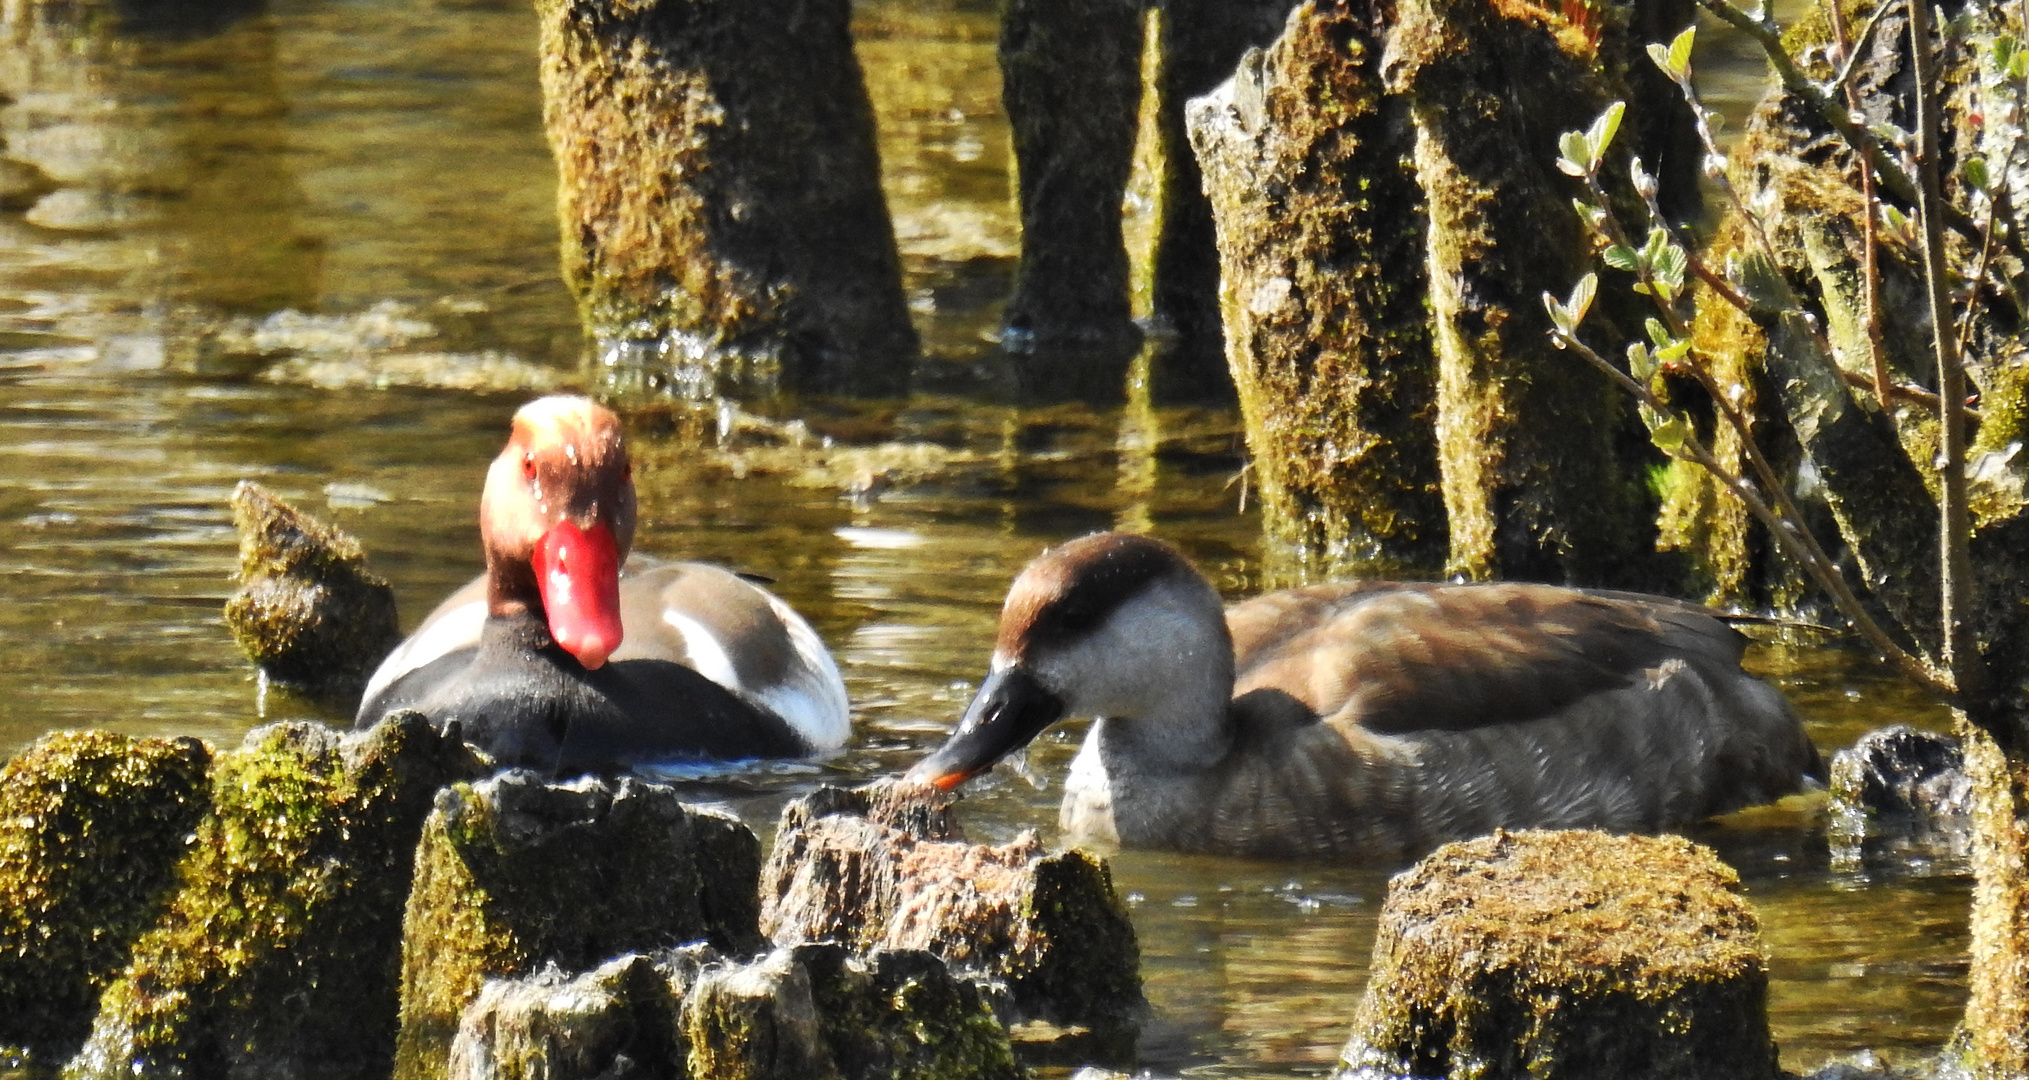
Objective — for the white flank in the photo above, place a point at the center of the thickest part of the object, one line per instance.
(813, 697)
(707, 655)
(454, 629)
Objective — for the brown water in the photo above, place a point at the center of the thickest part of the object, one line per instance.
(374, 172)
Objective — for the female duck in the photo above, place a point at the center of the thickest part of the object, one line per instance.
(561, 658)
(1367, 721)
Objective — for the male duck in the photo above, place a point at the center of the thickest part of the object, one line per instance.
(563, 659)
(1367, 721)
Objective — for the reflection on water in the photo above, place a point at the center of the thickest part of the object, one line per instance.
(211, 215)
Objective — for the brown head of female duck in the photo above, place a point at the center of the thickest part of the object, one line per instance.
(567, 655)
(1367, 721)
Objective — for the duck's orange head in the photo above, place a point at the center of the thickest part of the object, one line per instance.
(557, 519)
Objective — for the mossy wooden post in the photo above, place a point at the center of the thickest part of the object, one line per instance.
(278, 954)
(92, 825)
(513, 872)
(308, 612)
(1198, 44)
(1321, 243)
(1566, 954)
(1070, 81)
(719, 196)
(1543, 464)
(879, 868)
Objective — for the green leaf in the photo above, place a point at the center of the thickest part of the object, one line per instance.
(1620, 257)
(1680, 52)
(1652, 249)
(1560, 316)
(1670, 434)
(1974, 171)
(1660, 56)
(1603, 129)
(1676, 350)
(1577, 159)
(2003, 51)
(1593, 217)
(1670, 265)
(1658, 333)
(1639, 363)
(1581, 298)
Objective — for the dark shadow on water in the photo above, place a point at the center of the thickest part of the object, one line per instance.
(182, 19)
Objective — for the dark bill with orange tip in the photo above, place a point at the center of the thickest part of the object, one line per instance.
(1010, 709)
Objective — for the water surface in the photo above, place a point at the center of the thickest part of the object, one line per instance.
(314, 246)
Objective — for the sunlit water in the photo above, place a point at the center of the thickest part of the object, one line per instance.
(378, 168)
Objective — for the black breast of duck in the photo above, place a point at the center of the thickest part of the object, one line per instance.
(1368, 721)
(569, 655)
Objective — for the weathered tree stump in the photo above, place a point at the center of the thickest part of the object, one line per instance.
(514, 873)
(1544, 464)
(277, 955)
(1541, 955)
(880, 869)
(308, 613)
(1070, 77)
(1321, 241)
(92, 825)
(719, 194)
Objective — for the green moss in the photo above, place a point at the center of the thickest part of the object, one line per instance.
(1321, 233)
(1570, 954)
(308, 612)
(1542, 459)
(2004, 407)
(278, 950)
(513, 873)
(719, 196)
(92, 825)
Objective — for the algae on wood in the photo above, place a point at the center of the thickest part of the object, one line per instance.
(879, 869)
(719, 197)
(1321, 239)
(92, 826)
(1576, 954)
(514, 873)
(308, 613)
(1544, 465)
(279, 951)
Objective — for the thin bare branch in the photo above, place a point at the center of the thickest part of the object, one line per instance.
(1791, 534)
(1960, 654)
(1834, 113)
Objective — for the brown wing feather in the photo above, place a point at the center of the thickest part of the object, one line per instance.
(1406, 657)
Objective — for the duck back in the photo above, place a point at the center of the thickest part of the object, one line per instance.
(1375, 721)
(526, 702)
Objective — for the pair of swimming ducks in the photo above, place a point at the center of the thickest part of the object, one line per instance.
(1360, 721)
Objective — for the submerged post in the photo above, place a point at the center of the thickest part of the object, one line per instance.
(718, 191)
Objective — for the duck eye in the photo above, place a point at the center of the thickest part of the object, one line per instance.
(528, 465)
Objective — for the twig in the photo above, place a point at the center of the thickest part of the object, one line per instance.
(1794, 80)
(1960, 654)
(1870, 283)
(1915, 395)
(1801, 545)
